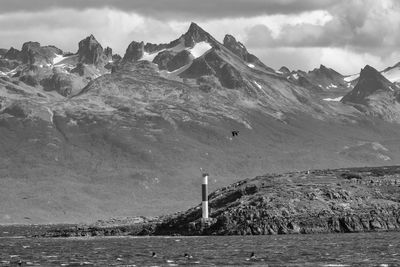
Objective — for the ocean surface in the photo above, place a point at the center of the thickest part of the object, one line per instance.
(362, 249)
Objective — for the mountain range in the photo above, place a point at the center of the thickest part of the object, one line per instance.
(92, 134)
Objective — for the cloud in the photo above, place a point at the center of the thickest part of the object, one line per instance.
(355, 33)
(298, 33)
(342, 60)
(355, 24)
(305, 58)
(176, 9)
(112, 28)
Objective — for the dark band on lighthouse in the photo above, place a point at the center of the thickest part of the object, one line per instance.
(204, 193)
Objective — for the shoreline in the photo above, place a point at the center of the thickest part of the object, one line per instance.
(348, 200)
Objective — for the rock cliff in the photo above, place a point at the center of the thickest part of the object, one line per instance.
(90, 51)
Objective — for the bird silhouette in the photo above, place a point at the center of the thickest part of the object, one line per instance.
(235, 133)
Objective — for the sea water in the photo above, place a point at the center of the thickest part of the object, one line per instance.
(361, 249)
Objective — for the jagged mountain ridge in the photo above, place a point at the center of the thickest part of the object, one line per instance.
(132, 137)
(375, 95)
(50, 69)
(369, 83)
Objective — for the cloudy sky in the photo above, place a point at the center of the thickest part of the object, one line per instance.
(301, 34)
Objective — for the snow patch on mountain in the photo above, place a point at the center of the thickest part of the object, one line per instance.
(58, 59)
(351, 77)
(258, 85)
(296, 76)
(149, 57)
(332, 86)
(378, 146)
(383, 157)
(337, 99)
(11, 72)
(199, 49)
(392, 75)
(251, 65)
(51, 114)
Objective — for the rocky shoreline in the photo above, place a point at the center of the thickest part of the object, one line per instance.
(318, 201)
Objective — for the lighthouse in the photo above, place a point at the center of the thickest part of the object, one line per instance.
(204, 191)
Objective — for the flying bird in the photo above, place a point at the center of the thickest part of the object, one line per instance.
(235, 133)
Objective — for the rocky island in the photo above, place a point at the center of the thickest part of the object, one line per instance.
(316, 201)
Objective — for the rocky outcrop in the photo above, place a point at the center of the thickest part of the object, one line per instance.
(240, 50)
(181, 59)
(7, 65)
(213, 64)
(80, 69)
(163, 58)
(29, 80)
(134, 52)
(195, 34)
(230, 77)
(3, 51)
(116, 57)
(328, 73)
(236, 47)
(16, 111)
(34, 53)
(304, 81)
(13, 54)
(327, 79)
(151, 48)
(90, 51)
(62, 83)
(108, 53)
(284, 70)
(198, 68)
